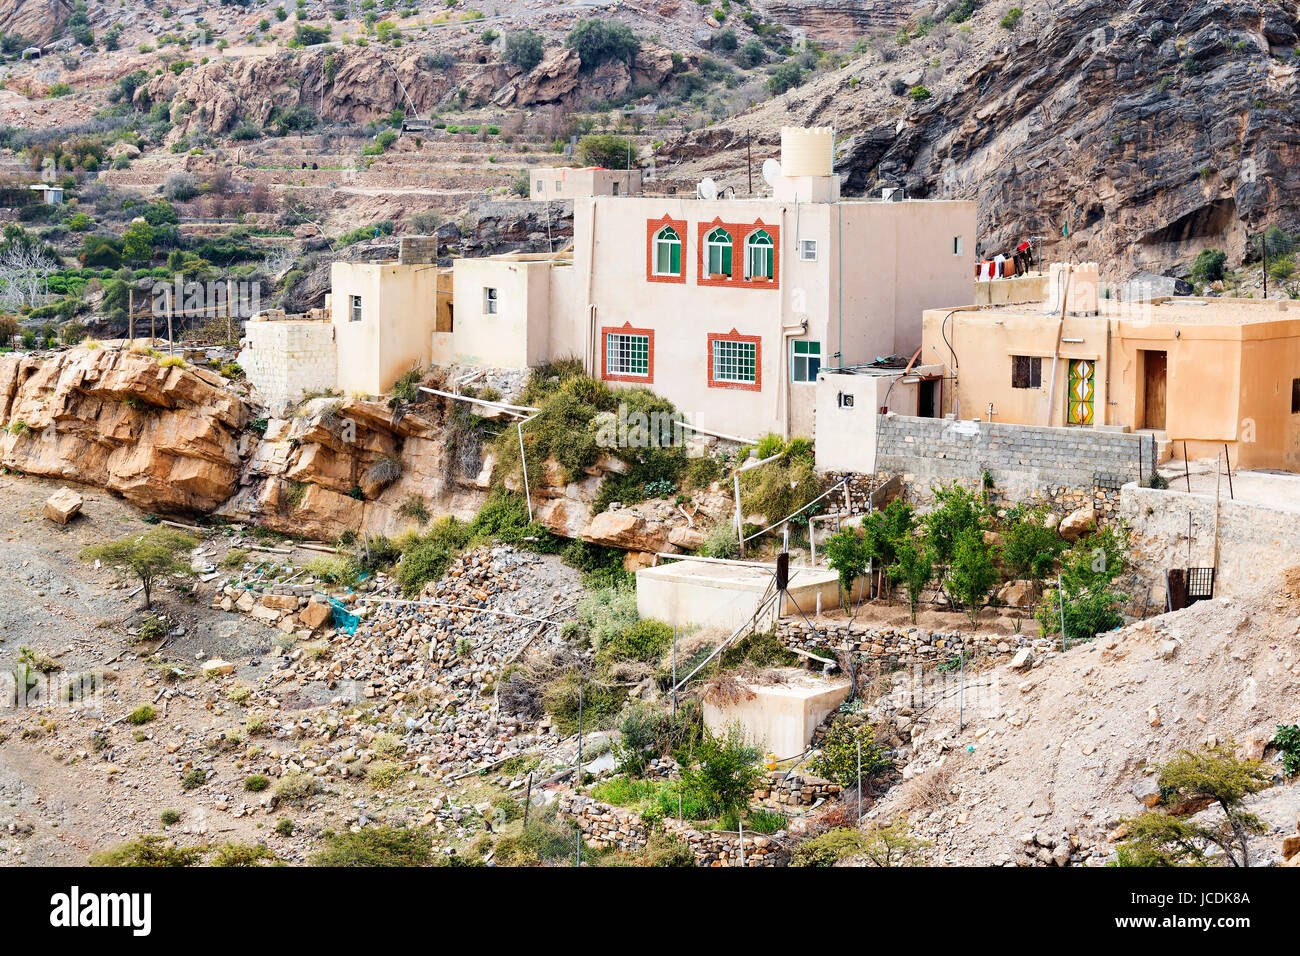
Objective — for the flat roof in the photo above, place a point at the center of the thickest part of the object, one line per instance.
(1187, 310)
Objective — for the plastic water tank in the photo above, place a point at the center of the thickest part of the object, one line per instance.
(806, 151)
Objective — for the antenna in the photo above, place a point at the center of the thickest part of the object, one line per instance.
(707, 189)
(771, 172)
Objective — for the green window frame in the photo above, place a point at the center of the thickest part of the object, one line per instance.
(627, 354)
(805, 360)
(668, 252)
(735, 362)
(717, 253)
(759, 255)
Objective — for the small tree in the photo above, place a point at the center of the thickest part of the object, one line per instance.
(596, 40)
(846, 554)
(524, 49)
(724, 772)
(1030, 548)
(971, 573)
(892, 844)
(1216, 774)
(149, 556)
(838, 760)
(955, 512)
(914, 569)
(1208, 266)
(607, 151)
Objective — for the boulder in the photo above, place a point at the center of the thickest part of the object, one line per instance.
(315, 614)
(1078, 523)
(218, 666)
(1017, 594)
(688, 539)
(280, 602)
(1023, 660)
(1147, 790)
(62, 506)
(626, 530)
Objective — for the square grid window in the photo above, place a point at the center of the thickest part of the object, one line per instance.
(627, 354)
(355, 315)
(489, 301)
(808, 250)
(1026, 371)
(805, 360)
(735, 361)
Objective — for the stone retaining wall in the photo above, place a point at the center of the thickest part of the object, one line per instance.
(895, 645)
(603, 826)
(795, 790)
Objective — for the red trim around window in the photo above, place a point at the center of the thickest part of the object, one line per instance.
(734, 336)
(652, 227)
(739, 233)
(626, 329)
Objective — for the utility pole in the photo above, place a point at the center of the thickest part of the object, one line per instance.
(130, 313)
(577, 778)
(749, 159)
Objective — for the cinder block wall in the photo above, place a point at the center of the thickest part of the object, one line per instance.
(286, 360)
(1020, 458)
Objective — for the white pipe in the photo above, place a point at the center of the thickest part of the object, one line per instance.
(480, 401)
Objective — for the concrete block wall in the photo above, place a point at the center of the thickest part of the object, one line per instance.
(285, 360)
(1022, 459)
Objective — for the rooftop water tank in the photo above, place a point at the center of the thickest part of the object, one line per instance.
(806, 151)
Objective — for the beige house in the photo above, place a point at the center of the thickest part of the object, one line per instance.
(728, 307)
(1208, 372)
(566, 182)
(378, 323)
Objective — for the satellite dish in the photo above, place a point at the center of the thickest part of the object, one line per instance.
(707, 189)
(771, 172)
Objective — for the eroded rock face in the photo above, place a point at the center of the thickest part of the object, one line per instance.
(1153, 129)
(36, 21)
(166, 439)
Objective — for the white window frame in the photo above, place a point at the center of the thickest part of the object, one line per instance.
(753, 248)
(491, 300)
(614, 349)
(736, 347)
(710, 244)
(807, 250)
(808, 378)
(354, 308)
(662, 240)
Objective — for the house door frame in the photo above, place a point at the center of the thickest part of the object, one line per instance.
(1080, 391)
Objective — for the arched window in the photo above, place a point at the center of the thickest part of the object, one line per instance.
(758, 255)
(717, 253)
(668, 252)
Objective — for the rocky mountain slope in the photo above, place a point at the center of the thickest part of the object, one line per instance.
(1131, 134)
(1052, 755)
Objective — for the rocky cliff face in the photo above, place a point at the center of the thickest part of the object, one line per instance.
(840, 22)
(36, 21)
(166, 439)
(1151, 129)
(357, 85)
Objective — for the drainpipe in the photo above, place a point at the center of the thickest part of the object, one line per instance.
(1056, 348)
(592, 350)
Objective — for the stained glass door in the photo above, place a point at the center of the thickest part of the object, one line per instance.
(1080, 395)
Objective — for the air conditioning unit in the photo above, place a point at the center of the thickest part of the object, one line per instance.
(893, 194)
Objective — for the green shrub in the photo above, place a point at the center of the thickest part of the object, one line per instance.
(141, 715)
(600, 702)
(606, 614)
(643, 641)
(838, 759)
(240, 854)
(194, 778)
(828, 848)
(296, 787)
(724, 772)
(170, 817)
(375, 846)
(1287, 740)
(765, 821)
(525, 49)
(427, 557)
(1011, 19)
(256, 783)
(544, 839)
(598, 40)
(1209, 264)
(1030, 548)
(624, 791)
(971, 573)
(149, 850)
